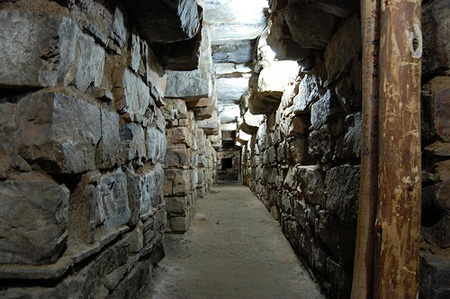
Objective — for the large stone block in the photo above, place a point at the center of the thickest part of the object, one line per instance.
(436, 37)
(90, 63)
(145, 190)
(436, 99)
(98, 201)
(177, 182)
(132, 142)
(321, 111)
(174, 109)
(342, 185)
(177, 156)
(344, 45)
(109, 143)
(311, 184)
(133, 98)
(309, 26)
(308, 92)
(192, 85)
(180, 135)
(59, 132)
(434, 276)
(177, 205)
(156, 145)
(37, 48)
(33, 220)
(165, 21)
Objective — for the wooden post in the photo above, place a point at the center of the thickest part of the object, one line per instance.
(362, 287)
(399, 197)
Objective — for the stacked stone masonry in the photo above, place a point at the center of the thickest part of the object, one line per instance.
(83, 151)
(190, 165)
(303, 162)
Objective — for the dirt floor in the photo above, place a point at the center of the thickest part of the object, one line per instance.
(234, 249)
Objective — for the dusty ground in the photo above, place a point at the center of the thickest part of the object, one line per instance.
(234, 249)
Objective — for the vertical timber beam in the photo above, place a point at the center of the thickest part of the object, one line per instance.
(363, 271)
(399, 194)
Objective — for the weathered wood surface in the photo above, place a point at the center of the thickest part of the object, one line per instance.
(363, 267)
(399, 202)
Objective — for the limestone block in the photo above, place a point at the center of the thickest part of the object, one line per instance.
(118, 30)
(156, 145)
(60, 132)
(344, 45)
(98, 201)
(177, 205)
(38, 49)
(90, 63)
(191, 85)
(434, 275)
(165, 21)
(134, 98)
(177, 155)
(321, 111)
(34, 220)
(174, 109)
(436, 94)
(177, 182)
(298, 150)
(342, 189)
(308, 91)
(436, 37)
(156, 75)
(312, 185)
(309, 26)
(180, 224)
(132, 142)
(145, 190)
(108, 145)
(180, 135)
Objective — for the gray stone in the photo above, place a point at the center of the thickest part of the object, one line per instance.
(310, 26)
(434, 276)
(352, 138)
(156, 145)
(177, 205)
(118, 31)
(165, 21)
(307, 93)
(321, 111)
(134, 98)
(59, 132)
(132, 142)
(180, 224)
(342, 189)
(343, 47)
(109, 142)
(194, 84)
(177, 156)
(177, 182)
(312, 184)
(34, 220)
(145, 190)
(90, 63)
(241, 51)
(436, 37)
(37, 49)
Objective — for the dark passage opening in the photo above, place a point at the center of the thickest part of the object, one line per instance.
(227, 163)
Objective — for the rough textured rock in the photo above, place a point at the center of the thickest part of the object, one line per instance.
(434, 276)
(34, 220)
(436, 95)
(188, 84)
(235, 51)
(165, 21)
(310, 26)
(341, 48)
(59, 132)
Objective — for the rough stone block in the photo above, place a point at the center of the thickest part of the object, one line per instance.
(175, 109)
(436, 99)
(307, 93)
(144, 190)
(177, 182)
(90, 63)
(180, 135)
(59, 132)
(193, 85)
(156, 145)
(134, 98)
(108, 145)
(434, 276)
(132, 142)
(436, 37)
(180, 224)
(34, 220)
(343, 46)
(177, 205)
(342, 188)
(37, 48)
(321, 111)
(312, 184)
(177, 156)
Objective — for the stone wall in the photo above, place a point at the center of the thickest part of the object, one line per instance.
(230, 172)
(303, 161)
(190, 164)
(81, 153)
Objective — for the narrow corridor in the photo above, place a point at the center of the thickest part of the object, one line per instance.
(234, 249)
